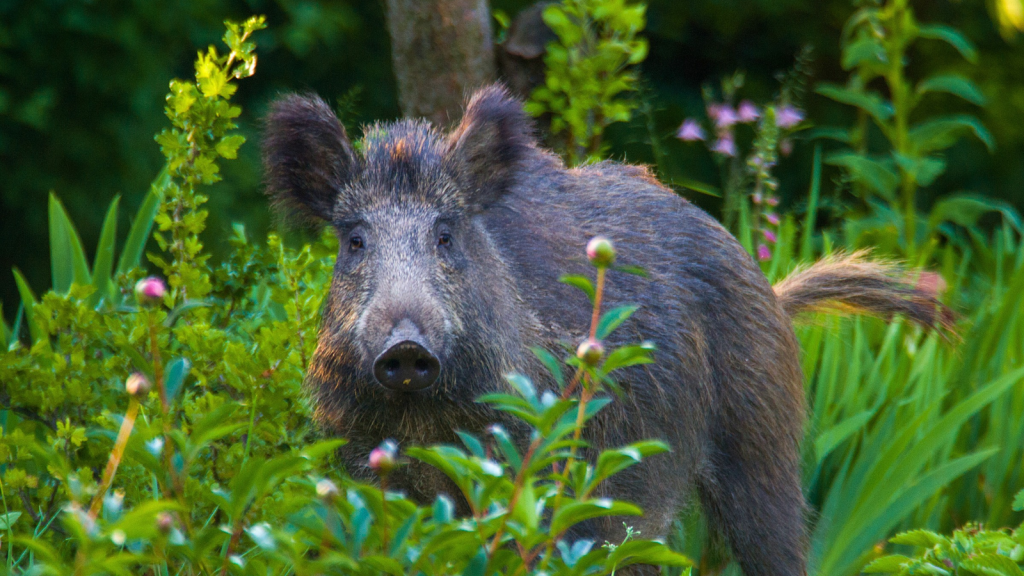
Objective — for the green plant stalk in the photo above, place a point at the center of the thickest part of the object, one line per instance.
(896, 52)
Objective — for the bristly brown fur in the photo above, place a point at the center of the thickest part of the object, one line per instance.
(845, 283)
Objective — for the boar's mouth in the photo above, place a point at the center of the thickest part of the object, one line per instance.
(406, 364)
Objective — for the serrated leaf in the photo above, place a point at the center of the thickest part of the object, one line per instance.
(612, 319)
(951, 36)
(228, 146)
(954, 84)
(992, 565)
(919, 538)
(887, 564)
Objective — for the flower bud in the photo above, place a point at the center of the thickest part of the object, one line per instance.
(590, 351)
(600, 252)
(164, 523)
(138, 385)
(326, 489)
(382, 458)
(150, 291)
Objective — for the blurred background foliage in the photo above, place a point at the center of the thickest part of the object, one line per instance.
(82, 85)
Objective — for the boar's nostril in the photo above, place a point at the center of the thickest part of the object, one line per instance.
(406, 366)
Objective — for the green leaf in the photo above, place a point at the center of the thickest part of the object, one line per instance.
(923, 170)
(138, 234)
(506, 446)
(581, 282)
(575, 512)
(228, 146)
(992, 565)
(881, 110)
(1018, 502)
(919, 538)
(612, 319)
(697, 186)
(28, 301)
(103, 266)
(941, 133)
(887, 564)
(966, 209)
(552, 364)
(5, 332)
(951, 36)
(7, 520)
(629, 356)
(954, 84)
(613, 461)
(646, 552)
(836, 435)
(865, 50)
(67, 258)
(174, 377)
(872, 173)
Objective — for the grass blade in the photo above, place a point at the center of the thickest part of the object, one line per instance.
(138, 234)
(104, 264)
(67, 258)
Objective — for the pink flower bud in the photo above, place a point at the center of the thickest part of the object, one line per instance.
(757, 198)
(138, 385)
(590, 351)
(763, 253)
(772, 200)
(149, 291)
(772, 218)
(747, 112)
(690, 131)
(382, 458)
(600, 252)
(726, 117)
(770, 236)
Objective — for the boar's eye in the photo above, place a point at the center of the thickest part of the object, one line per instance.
(444, 239)
(355, 242)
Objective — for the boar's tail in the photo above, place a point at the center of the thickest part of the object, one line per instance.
(850, 283)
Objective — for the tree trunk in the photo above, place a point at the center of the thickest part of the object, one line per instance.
(441, 51)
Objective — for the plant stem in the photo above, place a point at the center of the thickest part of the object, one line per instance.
(115, 456)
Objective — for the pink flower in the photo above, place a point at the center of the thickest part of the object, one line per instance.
(747, 112)
(726, 117)
(758, 198)
(786, 146)
(763, 253)
(382, 458)
(150, 290)
(773, 201)
(788, 116)
(772, 218)
(770, 236)
(690, 131)
(725, 146)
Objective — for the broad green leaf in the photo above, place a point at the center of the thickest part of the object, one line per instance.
(552, 364)
(924, 169)
(1018, 502)
(174, 377)
(581, 282)
(67, 258)
(629, 356)
(228, 146)
(103, 266)
(575, 512)
(966, 209)
(954, 84)
(612, 319)
(941, 133)
(646, 552)
(7, 520)
(866, 50)
(992, 565)
(881, 110)
(874, 174)
(951, 36)
(138, 234)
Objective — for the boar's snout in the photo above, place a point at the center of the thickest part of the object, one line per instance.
(406, 363)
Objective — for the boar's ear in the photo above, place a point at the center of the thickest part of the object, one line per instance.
(487, 147)
(307, 156)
